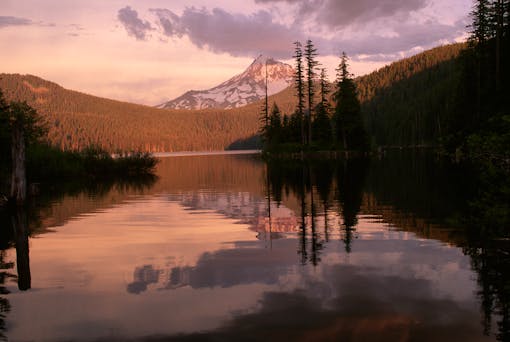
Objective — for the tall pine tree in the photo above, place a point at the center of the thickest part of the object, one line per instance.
(322, 131)
(311, 64)
(299, 86)
(349, 125)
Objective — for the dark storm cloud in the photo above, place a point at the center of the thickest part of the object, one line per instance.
(134, 26)
(236, 34)
(14, 21)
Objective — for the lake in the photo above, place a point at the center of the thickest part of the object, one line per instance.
(228, 247)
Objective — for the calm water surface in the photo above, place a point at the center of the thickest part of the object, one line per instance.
(229, 248)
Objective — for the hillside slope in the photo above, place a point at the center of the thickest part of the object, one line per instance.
(76, 120)
(412, 101)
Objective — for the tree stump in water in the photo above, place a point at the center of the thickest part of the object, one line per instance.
(18, 179)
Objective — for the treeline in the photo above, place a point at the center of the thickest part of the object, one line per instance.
(322, 119)
(76, 120)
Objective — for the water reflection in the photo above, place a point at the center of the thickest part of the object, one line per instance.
(322, 188)
(232, 248)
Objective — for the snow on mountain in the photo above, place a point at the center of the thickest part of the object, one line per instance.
(240, 90)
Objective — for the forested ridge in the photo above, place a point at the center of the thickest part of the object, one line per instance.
(411, 101)
(76, 120)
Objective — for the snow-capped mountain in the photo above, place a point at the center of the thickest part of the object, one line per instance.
(240, 90)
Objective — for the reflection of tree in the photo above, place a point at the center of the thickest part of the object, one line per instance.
(20, 228)
(312, 184)
(323, 177)
(5, 306)
(6, 238)
(491, 261)
(488, 223)
(302, 250)
(351, 175)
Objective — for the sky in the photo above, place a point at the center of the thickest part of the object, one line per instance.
(152, 51)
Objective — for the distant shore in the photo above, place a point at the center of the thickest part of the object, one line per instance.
(203, 153)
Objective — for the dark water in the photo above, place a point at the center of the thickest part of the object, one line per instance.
(402, 248)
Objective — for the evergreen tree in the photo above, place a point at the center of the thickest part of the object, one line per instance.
(299, 86)
(324, 88)
(4, 131)
(481, 28)
(264, 116)
(349, 125)
(310, 55)
(275, 126)
(322, 130)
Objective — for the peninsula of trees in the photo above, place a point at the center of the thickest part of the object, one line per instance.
(320, 122)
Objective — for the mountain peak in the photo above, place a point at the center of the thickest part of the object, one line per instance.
(240, 90)
(263, 60)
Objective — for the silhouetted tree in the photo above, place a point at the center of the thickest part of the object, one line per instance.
(480, 27)
(322, 130)
(310, 54)
(25, 127)
(275, 126)
(349, 125)
(5, 136)
(299, 85)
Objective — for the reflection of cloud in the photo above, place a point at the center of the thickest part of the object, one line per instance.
(14, 21)
(143, 276)
(232, 267)
(134, 26)
(352, 304)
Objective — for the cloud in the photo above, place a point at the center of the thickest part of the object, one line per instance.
(14, 21)
(340, 13)
(236, 34)
(134, 26)
(362, 27)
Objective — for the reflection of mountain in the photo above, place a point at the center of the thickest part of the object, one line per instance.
(243, 207)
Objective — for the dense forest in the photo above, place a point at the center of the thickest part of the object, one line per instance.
(455, 97)
(76, 120)
(411, 101)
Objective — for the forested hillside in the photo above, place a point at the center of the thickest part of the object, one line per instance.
(77, 120)
(412, 101)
